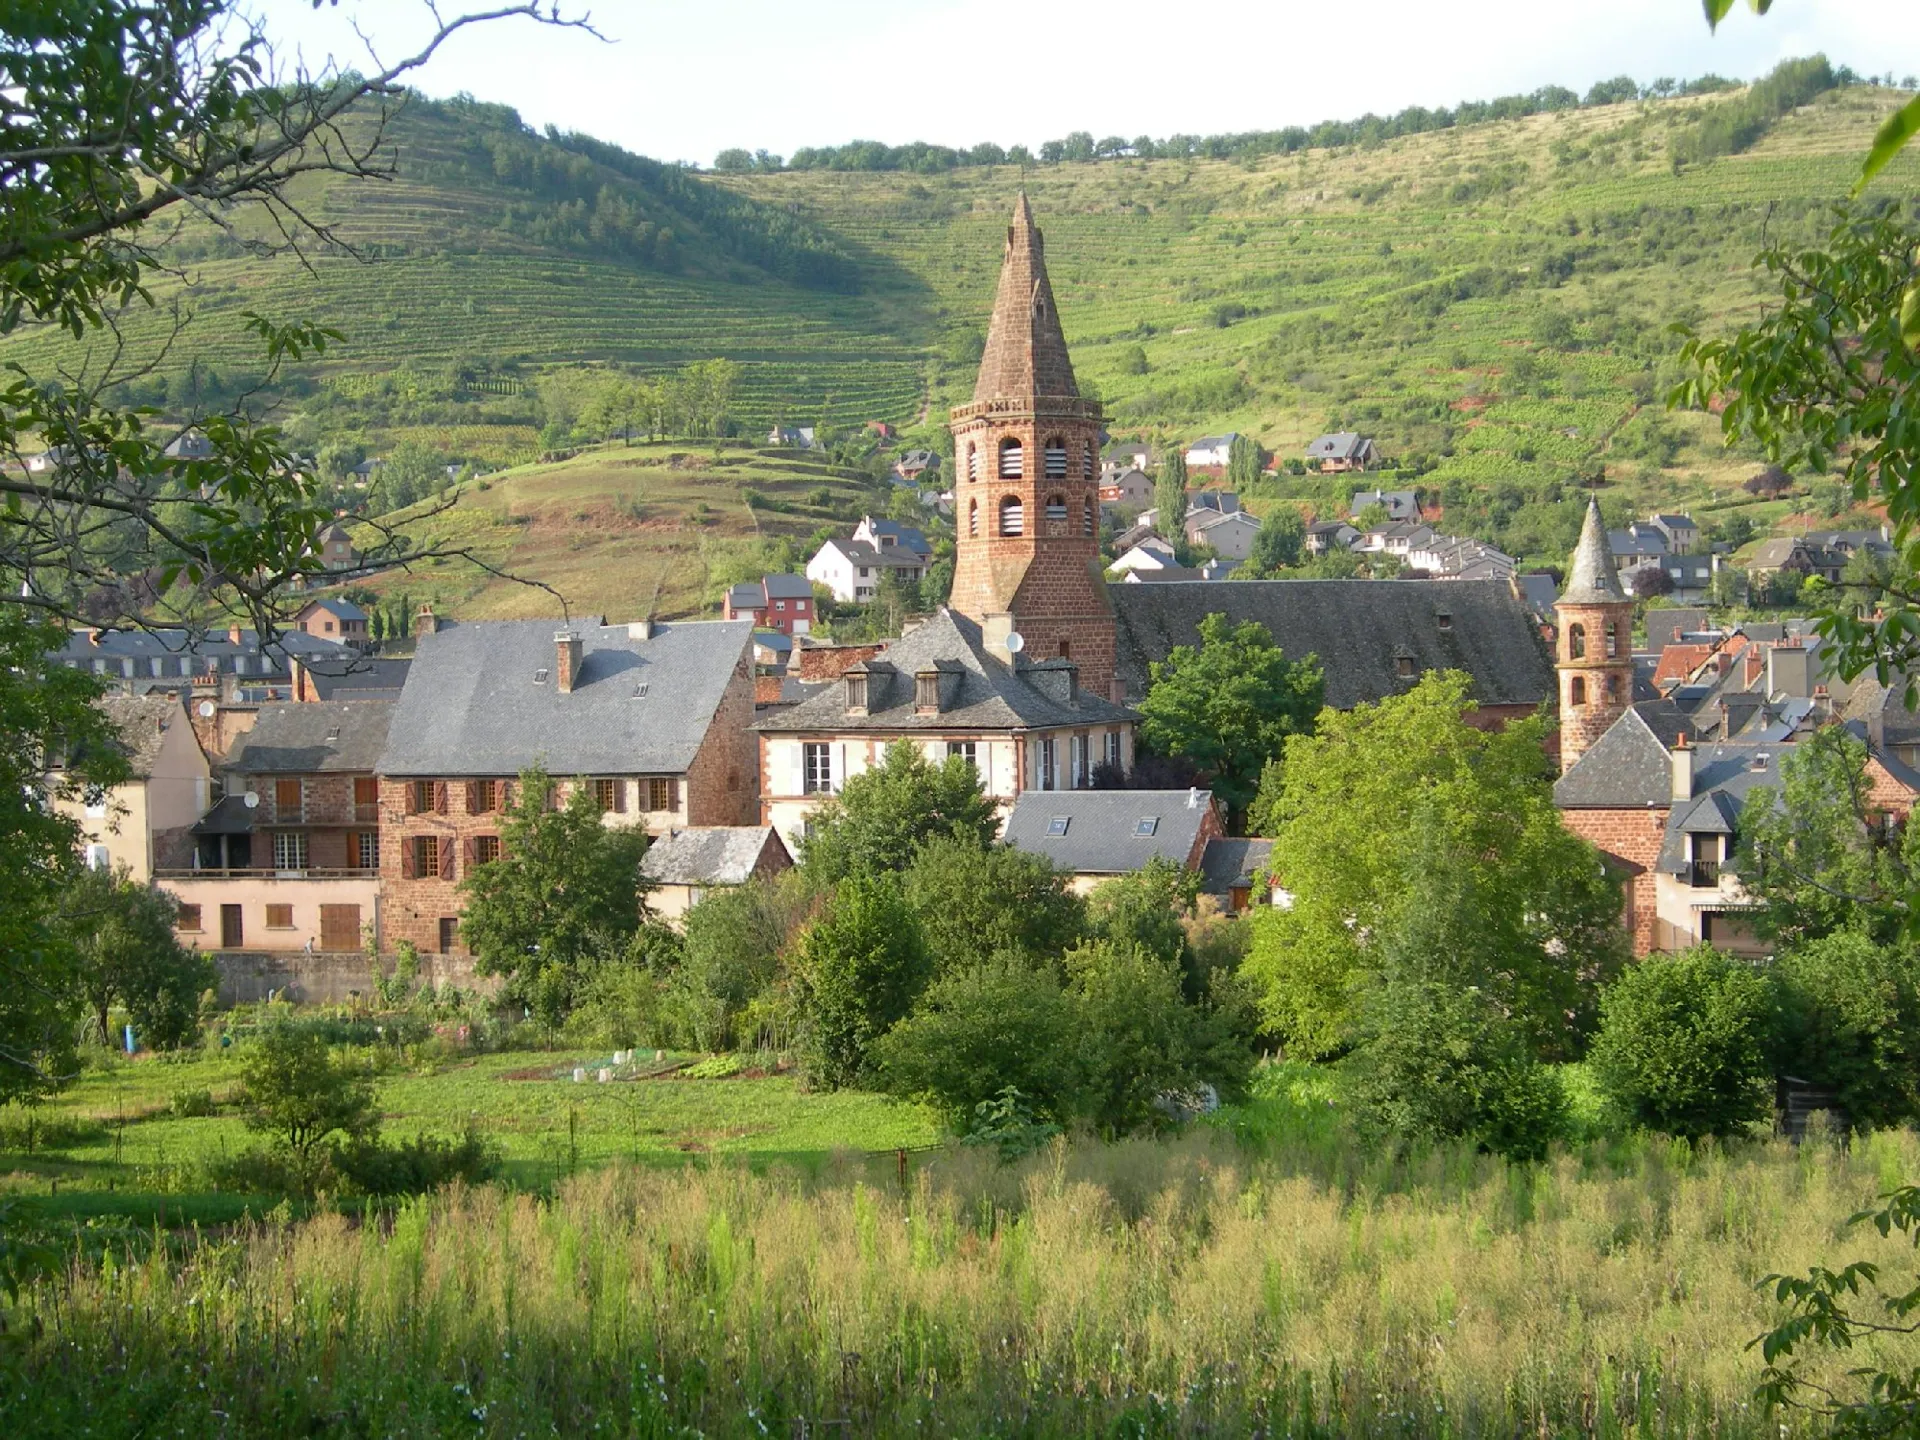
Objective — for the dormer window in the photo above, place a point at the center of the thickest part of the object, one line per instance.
(856, 692)
(926, 691)
(1012, 459)
(1405, 666)
(1056, 459)
(1444, 620)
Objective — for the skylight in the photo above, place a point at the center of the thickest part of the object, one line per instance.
(539, 677)
(1057, 825)
(1146, 825)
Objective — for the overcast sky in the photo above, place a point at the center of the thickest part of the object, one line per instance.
(683, 79)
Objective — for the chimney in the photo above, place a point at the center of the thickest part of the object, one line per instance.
(233, 634)
(640, 629)
(995, 632)
(566, 668)
(424, 620)
(297, 673)
(1193, 797)
(1682, 770)
(93, 636)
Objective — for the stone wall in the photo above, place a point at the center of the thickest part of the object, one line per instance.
(1631, 840)
(329, 979)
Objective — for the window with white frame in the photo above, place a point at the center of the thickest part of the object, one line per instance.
(816, 769)
(1079, 748)
(1046, 764)
(967, 750)
(1113, 748)
(289, 850)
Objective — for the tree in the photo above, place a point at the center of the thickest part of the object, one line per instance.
(122, 937)
(565, 886)
(1649, 582)
(299, 1091)
(1850, 1021)
(1142, 911)
(1354, 809)
(861, 967)
(1813, 853)
(1170, 493)
(731, 956)
(1229, 705)
(977, 902)
(884, 813)
(124, 120)
(1682, 1044)
(980, 1029)
(1276, 545)
(1244, 461)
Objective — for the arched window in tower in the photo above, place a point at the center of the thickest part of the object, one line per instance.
(973, 517)
(973, 462)
(1086, 459)
(1576, 642)
(1012, 461)
(1056, 514)
(1013, 520)
(1577, 691)
(1613, 639)
(1056, 458)
(1086, 517)
(1613, 689)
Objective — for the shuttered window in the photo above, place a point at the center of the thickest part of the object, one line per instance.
(1012, 517)
(288, 802)
(1056, 460)
(1013, 464)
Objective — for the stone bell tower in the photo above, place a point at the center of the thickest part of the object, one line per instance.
(1594, 654)
(1026, 504)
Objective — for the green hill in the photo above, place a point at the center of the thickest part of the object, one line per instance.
(1493, 301)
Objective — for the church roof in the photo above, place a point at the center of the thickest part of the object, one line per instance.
(1026, 354)
(1592, 580)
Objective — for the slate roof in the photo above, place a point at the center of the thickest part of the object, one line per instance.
(230, 816)
(309, 739)
(1662, 623)
(344, 609)
(1400, 504)
(1359, 629)
(1540, 591)
(170, 653)
(1343, 445)
(986, 694)
(905, 536)
(1165, 575)
(1230, 861)
(788, 587)
(1723, 777)
(142, 723)
(1882, 710)
(1102, 834)
(1630, 767)
(1026, 353)
(358, 678)
(747, 595)
(1591, 581)
(708, 854)
(481, 699)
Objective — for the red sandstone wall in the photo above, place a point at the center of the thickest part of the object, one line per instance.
(1631, 839)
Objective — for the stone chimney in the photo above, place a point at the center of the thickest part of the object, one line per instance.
(995, 631)
(234, 633)
(425, 622)
(640, 629)
(566, 665)
(297, 674)
(1682, 770)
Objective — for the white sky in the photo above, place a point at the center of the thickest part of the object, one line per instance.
(683, 79)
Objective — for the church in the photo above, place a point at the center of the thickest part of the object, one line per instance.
(1030, 668)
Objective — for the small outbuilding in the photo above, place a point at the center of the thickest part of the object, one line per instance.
(683, 865)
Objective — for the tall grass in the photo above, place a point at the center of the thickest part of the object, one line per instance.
(1179, 1286)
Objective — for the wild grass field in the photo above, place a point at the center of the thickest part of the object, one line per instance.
(1259, 1276)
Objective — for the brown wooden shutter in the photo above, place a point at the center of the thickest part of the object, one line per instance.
(619, 797)
(439, 797)
(409, 796)
(673, 794)
(473, 797)
(466, 855)
(503, 796)
(410, 858)
(446, 857)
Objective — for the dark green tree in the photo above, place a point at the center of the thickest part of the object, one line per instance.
(976, 902)
(1276, 546)
(1170, 493)
(1244, 462)
(1849, 1020)
(1143, 911)
(565, 888)
(731, 956)
(861, 966)
(882, 815)
(1228, 705)
(122, 938)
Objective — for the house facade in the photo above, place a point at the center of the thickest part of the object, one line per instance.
(333, 619)
(1342, 451)
(1229, 536)
(683, 866)
(142, 824)
(851, 570)
(653, 719)
(773, 602)
(1211, 452)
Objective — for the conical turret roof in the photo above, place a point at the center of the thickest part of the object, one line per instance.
(1592, 580)
(1026, 354)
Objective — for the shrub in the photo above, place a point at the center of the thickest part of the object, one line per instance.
(299, 1092)
(978, 901)
(861, 967)
(426, 1162)
(193, 1103)
(1682, 1043)
(1008, 1124)
(1849, 1020)
(977, 1032)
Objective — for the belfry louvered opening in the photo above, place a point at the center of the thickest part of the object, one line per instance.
(1013, 464)
(1056, 458)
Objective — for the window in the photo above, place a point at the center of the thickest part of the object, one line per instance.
(449, 933)
(610, 795)
(1012, 461)
(1066, 649)
(1086, 459)
(973, 517)
(973, 462)
(1113, 748)
(856, 692)
(1405, 666)
(1444, 620)
(99, 858)
(1613, 689)
(426, 856)
(1055, 457)
(486, 849)
(662, 796)
(1057, 509)
(1146, 825)
(1012, 518)
(1576, 641)
(1057, 824)
(1046, 764)
(816, 769)
(187, 917)
(279, 917)
(366, 798)
(1086, 517)
(289, 850)
(288, 798)
(926, 692)
(779, 604)
(366, 850)
(1577, 691)
(483, 796)
(421, 793)
(965, 749)
(1613, 639)
(1079, 748)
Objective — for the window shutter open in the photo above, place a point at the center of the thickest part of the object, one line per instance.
(473, 797)
(410, 860)
(619, 797)
(439, 797)
(408, 795)
(505, 794)
(446, 859)
(466, 854)
(673, 794)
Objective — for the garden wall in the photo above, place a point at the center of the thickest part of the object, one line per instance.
(334, 978)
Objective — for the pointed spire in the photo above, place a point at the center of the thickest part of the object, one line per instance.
(1592, 580)
(1026, 353)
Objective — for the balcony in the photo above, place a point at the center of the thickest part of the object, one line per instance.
(267, 872)
(1704, 874)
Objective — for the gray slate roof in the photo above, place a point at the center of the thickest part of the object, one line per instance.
(709, 854)
(1102, 836)
(1662, 623)
(345, 609)
(1230, 861)
(1343, 445)
(357, 677)
(986, 694)
(1629, 767)
(171, 653)
(1723, 776)
(481, 699)
(788, 587)
(142, 723)
(1359, 629)
(307, 739)
(1592, 581)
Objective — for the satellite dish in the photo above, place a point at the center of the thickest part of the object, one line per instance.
(207, 707)
(1016, 642)
(251, 800)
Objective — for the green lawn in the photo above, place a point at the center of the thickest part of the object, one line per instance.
(112, 1144)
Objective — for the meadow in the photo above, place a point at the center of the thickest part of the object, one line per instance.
(1258, 1275)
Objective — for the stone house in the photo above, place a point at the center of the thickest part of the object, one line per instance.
(141, 825)
(1099, 835)
(682, 866)
(333, 619)
(652, 717)
(1343, 451)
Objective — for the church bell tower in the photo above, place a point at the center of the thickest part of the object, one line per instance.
(1026, 495)
(1594, 654)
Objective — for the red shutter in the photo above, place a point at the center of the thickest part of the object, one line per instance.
(446, 857)
(466, 855)
(409, 858)
(439, 797)
(620, 797)
(473, 797)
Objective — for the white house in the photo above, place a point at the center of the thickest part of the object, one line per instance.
(852, 570)
(1211, 450)
(1151, 554)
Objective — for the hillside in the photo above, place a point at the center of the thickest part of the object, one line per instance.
(1493, 302)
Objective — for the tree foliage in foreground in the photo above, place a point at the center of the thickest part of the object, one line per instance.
(121, 935)
(882, 815)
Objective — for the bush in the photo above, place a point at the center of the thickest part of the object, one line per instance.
(861, 967)
(298, 1091)
(1849, 1020)
(193, 1103)
(978, 1031)
(1438, 1061)
(411, 1167)
(1682, 1043)
(976, 902)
